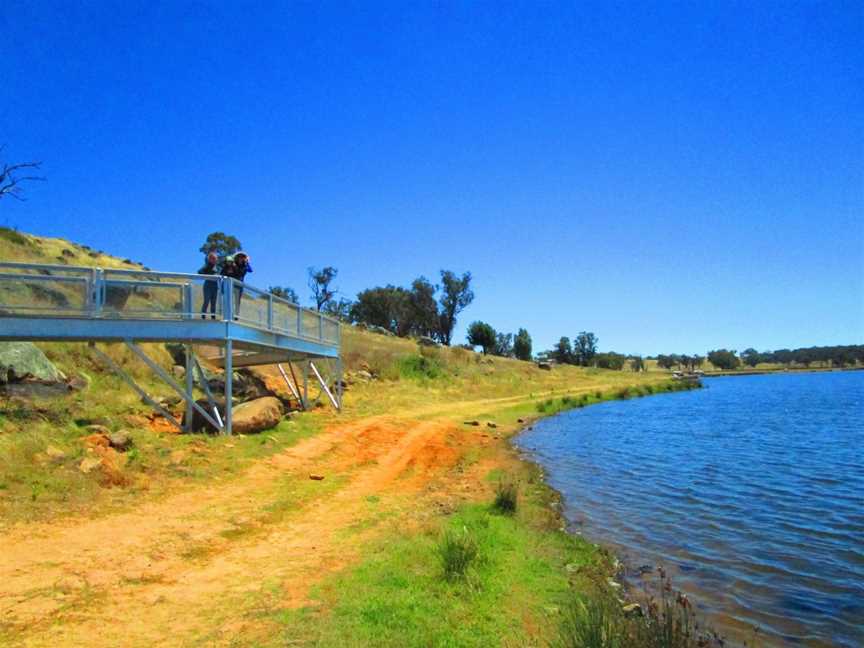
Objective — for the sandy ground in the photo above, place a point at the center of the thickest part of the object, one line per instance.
(187, 569)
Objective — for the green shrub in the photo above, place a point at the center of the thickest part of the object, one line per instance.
(457, 551)
(506, 497)
(419, 367)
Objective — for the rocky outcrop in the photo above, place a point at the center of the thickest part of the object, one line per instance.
(257, 415)
(25, 362)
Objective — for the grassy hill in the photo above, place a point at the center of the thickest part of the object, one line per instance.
(406, 490)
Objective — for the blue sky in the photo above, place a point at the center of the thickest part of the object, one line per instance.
(672, 176)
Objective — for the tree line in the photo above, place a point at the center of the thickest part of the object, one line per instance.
(727, 360)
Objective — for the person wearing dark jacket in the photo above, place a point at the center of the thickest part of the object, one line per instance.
(237, 267)
(211, 287)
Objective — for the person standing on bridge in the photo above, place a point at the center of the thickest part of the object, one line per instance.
(211, 287)
(237, 267)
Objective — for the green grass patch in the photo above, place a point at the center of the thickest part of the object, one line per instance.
(419, 367)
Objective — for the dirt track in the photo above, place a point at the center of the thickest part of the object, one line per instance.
(184, 570)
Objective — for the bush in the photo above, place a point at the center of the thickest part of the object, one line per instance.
(419, 367)
(457, 551)
(506, 497)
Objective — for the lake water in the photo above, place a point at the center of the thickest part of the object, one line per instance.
(751, 492)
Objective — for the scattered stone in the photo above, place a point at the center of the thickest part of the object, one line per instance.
(491, 424)
(89, 463)
(257, 415)
(571, 568)
(55, 454)
(363, 374)
(613, 584)
(545, 366)
(98, 428)
(425, 340)
(632, 610)
(120, 441)
(316, 477)
(474, 423)
(97, 439)
(520, 420)
(79, 382)
(178, 372)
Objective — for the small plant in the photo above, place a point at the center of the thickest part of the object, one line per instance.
(457, 551)
(506, 497)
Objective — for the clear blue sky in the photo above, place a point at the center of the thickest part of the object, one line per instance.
(673, 176)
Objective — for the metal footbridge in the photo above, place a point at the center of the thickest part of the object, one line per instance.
(228, 324)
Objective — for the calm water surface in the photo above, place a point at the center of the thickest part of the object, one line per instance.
(751, 491)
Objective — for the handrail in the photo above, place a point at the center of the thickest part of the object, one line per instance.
(97, 279)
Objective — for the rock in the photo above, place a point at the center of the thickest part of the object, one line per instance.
(88, 464)
(474, 423)
(545, 366)
(425, 340)
(98, 428)
(364, 375)
(120, 441)
(380, 330)
(111, 464)
(178, 372)
(79, 382)
(316, 477)
(632, 610)
(613, 584)
(24, 361)
(520, 420)
(97, 439)
(257, 415)
(55, 454)
(491, 424)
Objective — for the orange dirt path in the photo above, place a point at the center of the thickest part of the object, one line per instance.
(180, 570)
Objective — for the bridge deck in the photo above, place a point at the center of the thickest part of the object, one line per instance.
(65, 303)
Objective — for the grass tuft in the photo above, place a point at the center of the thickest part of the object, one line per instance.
(506, 497)
(457, 551)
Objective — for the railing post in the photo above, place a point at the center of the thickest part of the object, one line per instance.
(269, 311)
(228, 299)
(299, 321)
(320, 327)
(98, 291)
(188, 299)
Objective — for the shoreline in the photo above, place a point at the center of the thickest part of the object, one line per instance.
(619, 569)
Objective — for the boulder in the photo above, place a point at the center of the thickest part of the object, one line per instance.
(24, 361)
(425, 340)
(120, 441)
(79, 382)
(363, 374)
(179, 372)
(257, 415)
(545, 366)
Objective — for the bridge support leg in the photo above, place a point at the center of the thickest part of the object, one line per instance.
(339, 389)
(229, 386)
(190, 385)
(306, 384)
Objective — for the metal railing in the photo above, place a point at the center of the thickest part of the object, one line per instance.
(34, 290)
